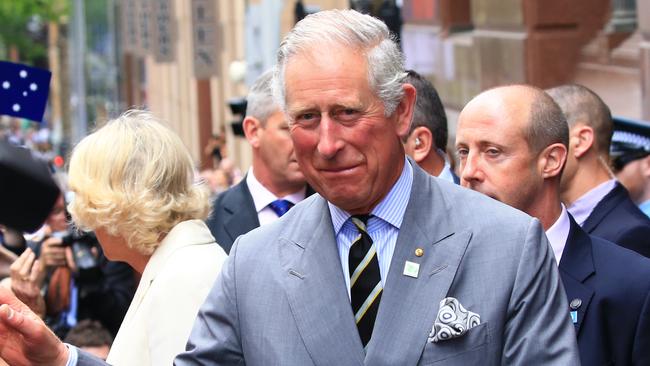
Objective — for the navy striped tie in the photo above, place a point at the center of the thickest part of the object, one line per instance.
(365, 279)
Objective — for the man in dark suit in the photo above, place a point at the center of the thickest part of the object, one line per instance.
(426, 141)
(274, 182)
(511, 142)
(597, 201)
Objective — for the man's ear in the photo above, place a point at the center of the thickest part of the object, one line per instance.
(581, 139)
(252, 129)
(404, 111)
(552, 160)
(422, 142)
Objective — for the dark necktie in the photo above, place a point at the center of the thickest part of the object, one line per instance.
(280, 207)
(365, 279)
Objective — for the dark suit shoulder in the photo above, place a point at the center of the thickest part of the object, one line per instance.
(622, 268)
(617, 219)
(233, 213)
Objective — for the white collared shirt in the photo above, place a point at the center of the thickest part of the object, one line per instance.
(558, 234)
(446, 172)
(262, 197)
(583, 206)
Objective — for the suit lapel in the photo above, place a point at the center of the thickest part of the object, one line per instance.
(602, 209)
(242, 216)
(576, 266)
(316, 290)
(409, 305)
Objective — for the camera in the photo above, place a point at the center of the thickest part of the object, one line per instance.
(81, 244)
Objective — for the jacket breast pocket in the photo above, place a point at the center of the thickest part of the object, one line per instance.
(469, 349)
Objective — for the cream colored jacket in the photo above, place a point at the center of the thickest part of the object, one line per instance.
(174, 284)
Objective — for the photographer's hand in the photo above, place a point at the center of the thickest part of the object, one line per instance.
(24, 338)
(52, 253)
(26, 280)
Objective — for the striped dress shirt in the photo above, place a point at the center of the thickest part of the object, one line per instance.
(383, 227)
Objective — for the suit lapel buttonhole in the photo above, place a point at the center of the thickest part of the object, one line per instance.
(443, 238)
(438, 269)
(289, 241)
(297, 274)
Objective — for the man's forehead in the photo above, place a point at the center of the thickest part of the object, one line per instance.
(323, 83)
(481, 128)
(500, 109)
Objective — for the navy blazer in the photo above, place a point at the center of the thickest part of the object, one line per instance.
(611, 285)
(617, 219)
(234, 214)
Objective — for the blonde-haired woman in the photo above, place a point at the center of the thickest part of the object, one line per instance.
(133, 185)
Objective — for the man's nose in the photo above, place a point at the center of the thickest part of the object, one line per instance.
(329, 142)
(470, 169)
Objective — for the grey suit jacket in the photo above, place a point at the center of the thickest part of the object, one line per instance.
(86, 359)
(281, 298)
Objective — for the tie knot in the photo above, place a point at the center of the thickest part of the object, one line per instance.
(280, 207)
(360, 221)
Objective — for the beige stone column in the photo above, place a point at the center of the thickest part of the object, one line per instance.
(532, 41)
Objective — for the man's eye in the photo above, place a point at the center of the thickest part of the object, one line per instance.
(306, 118)
(347, 114)
(461, 153)
(492, 152)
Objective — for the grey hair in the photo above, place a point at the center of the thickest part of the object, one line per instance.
(260, 102)
(351, 29)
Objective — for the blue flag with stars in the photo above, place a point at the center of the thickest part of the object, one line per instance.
(23, 90)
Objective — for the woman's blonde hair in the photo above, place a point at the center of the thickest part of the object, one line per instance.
(134, 178)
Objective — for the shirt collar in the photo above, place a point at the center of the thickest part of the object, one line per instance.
(445, 173)
(262, 197)
(558, 233)
(583, 206)
(645, 207)
(391, 209)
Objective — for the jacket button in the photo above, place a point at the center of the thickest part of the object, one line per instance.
(575, 304)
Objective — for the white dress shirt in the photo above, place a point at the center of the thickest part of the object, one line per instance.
(262, 197)
(446, 172)
(558, 234)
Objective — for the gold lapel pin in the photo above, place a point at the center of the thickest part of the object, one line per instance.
(419, 252)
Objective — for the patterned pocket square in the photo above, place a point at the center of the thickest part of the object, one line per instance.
(452, 321)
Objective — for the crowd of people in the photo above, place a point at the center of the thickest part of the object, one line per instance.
(356, 236)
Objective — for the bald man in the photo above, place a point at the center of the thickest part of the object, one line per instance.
(597, 201)
(512, 145)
